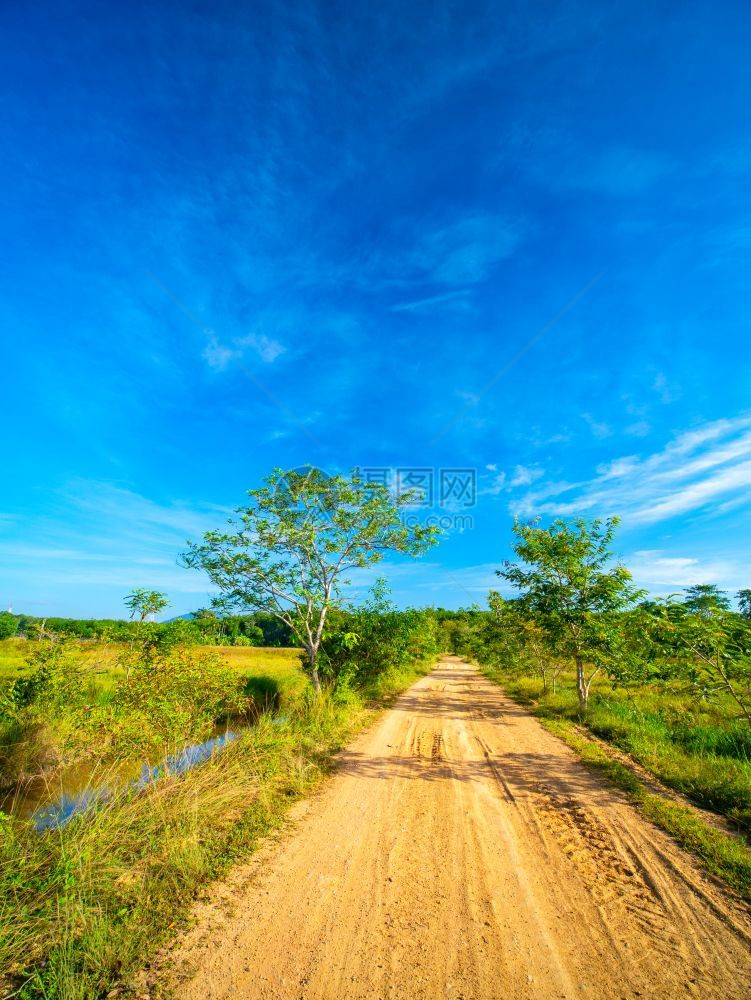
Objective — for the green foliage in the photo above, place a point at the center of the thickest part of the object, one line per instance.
(55, 679)
(521, 635)
(87, 904)
(712, 648)
(205, 627)
(366, 641)
(171, 693)
(744, 603)
(288, 551)
(574, 596)
(8, 625)
(460, 631)
(705, 599)
(142, 602)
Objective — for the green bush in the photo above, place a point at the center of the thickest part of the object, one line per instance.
(172, 694)
(55, 681)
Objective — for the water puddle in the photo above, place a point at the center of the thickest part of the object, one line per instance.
(50, 804)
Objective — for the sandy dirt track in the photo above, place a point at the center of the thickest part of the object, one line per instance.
(461, 851)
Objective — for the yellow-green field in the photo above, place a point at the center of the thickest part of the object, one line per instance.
(279, 668)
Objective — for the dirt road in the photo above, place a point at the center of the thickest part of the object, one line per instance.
(461, 851)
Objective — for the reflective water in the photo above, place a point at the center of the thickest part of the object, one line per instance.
(50, 804)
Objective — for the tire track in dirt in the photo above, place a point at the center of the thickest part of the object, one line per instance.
(462, 851)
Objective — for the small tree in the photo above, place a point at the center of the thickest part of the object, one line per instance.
(705, 599)
(744, 603)
(141, 603)
(715, 649)
(288, 551)
(522, 637)
(574, 597)
(8, 624)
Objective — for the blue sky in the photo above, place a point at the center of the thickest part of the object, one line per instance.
(376, 208)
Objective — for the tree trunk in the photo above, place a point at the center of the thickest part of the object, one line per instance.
(581, 688)
(312, 661)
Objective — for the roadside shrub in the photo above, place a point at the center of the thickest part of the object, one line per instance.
(8, 625)
(367, 641)
(173, 694)
(56, 679)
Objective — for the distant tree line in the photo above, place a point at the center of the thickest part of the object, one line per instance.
(204, 627)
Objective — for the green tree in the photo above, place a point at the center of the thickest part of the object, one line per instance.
(715, 649)
(705, 599)
(56, 677)
(143, 603)
(564, 576)
(744, 603)
(288, 551)
(8, 625)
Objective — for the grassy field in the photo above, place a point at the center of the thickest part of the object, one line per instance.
(44, 742)
(100, 658)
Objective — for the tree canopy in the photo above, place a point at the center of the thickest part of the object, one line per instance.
(288, 551)
(567, 581)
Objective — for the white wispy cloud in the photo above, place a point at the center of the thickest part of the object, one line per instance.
(258, 345)
(496, 485)
(662, 572)
(105, 537)
(465, 251)
(617, 171)
(667, 392)
(599, 429)
(524, 476)
(700, 469)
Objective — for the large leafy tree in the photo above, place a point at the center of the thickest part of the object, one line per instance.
(8, 624)
(566, 577)
(288, 552)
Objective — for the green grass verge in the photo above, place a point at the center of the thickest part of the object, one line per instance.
(723, 855)
(81, 908)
